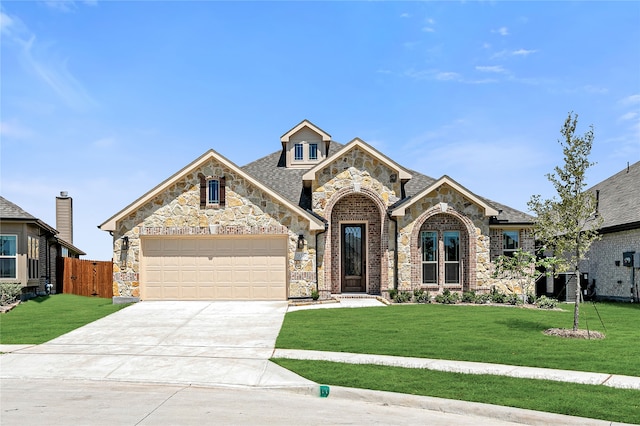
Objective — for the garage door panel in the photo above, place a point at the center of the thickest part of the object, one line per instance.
(240, 268)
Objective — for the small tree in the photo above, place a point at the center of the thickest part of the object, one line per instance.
(569, 225)
(522, 267)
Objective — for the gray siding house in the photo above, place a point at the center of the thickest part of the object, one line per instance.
(30, 248)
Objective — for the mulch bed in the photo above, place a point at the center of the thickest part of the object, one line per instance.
(571, 334)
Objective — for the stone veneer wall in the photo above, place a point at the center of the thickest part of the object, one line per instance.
(613, 282)
(364, 193)
(177, 211)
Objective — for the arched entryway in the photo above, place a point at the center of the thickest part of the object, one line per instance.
(355, 242)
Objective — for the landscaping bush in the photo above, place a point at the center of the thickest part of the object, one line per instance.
(497, 296)
(514, 299)
(447, 297)
(469, 297)
(402, 297)
(9, 293)
(482, 299)
(393, 293)
(315, 295)
(421, 296)
(545, 302)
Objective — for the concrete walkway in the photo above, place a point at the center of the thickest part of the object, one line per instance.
(204, 345)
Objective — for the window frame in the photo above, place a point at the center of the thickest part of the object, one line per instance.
(298, 148)
(435, 252)
(213, 201)
(448, 261)
(509, 251)
(13, 256)
(313, 151)
(33, 257)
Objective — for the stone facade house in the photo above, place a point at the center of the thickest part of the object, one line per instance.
(612, 265)
(315, 215)
(30, 248)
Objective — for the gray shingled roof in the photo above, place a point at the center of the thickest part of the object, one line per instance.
(619, 198)
(8, 210)
(271, 171)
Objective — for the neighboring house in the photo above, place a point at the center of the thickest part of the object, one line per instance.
(315, 215)
(612, 265)
(29, 248)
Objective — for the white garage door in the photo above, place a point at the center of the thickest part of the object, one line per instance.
(214, 268)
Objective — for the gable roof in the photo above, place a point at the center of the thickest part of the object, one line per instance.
(399, 210)
(619, 199)
(326, 137)
(403, 174)
(110, 224)
(12, 212)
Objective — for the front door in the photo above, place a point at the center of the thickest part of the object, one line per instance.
(354, 264)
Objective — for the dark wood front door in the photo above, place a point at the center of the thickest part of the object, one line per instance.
(354, 263)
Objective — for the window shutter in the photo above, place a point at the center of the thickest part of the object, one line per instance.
(223, 191)
(203, 191)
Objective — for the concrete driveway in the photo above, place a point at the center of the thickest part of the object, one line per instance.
(199, 343)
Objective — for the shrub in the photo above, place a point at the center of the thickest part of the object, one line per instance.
(469, 296)
(447, 298)
(9, 293)
(421, 296)
(482, 299)
(497, 296)
(392, 293)
(531, 298)
(514, 299)
(315, 295)
(545, 302)
(402, 297)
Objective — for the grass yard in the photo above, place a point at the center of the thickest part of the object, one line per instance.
(495, 334)
(44, 318)
(598, 402)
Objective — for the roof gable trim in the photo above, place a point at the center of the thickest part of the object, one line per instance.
(489, 210)
(326, 137)
(403, 174)
(110, 224)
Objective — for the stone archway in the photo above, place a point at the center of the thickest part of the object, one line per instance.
(348, 207)
(442, 219)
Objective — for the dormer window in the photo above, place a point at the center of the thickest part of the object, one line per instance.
(298, 152)
(305, 145)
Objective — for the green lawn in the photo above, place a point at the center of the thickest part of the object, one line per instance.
(494, 334)
(598, 402)
(45, 318)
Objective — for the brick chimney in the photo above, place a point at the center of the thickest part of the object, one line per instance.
(64, 216)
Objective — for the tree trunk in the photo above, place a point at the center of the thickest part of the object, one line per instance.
(576, 310)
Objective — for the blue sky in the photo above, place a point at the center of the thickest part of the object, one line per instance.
(107, 99)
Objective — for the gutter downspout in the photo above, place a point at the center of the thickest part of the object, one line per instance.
(395, 252)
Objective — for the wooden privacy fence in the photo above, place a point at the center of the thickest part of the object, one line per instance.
(86, 277)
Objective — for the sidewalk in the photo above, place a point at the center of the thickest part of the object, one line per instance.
(466, 367)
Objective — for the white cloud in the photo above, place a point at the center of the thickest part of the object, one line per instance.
(630, 100)
(503, 31)
(447, 76)
(492, 68)
(41, 60)
(104, 142)
(405, 15)
(428, 30)
(595, 89)
(628, 116)
(14, 130)
(523, 52)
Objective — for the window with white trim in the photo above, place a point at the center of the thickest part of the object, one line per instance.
(8, 256)
(298, 152)
(510, 242)
(313, 151)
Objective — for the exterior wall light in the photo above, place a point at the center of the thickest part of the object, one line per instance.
(125, 243)
(300, 242)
